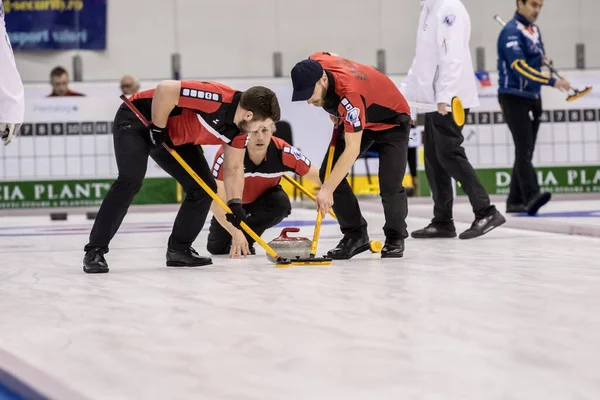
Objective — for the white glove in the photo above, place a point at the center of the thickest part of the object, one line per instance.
(8, 132)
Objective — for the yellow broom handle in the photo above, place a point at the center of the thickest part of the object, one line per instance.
(305, 191)
(329, 162)
(315, 240)
(313, 247)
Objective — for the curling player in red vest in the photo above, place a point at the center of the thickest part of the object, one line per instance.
(375, 116)
(264, 200)
(184, 114)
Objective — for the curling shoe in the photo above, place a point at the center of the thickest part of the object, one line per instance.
(94, 262)
(186, 258)
(348, 247)
(393, 249)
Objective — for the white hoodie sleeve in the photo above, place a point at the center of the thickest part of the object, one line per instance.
(409, 87)
(12, 94)
(453, 28)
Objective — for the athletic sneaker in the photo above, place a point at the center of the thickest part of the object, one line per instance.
(434, 231)
(482, 226)
(516, 208)
(538, 202)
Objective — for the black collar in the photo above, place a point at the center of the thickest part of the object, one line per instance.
(249, 165)
(231, 110)
(332, 100)
(522, 19)
(249, 159)
(331, 87)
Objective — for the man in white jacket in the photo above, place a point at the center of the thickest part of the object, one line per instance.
(441, 70)
(12, 95)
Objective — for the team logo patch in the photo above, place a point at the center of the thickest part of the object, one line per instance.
(449, 19)
(352, 113)
(353, 116)
(297, 154)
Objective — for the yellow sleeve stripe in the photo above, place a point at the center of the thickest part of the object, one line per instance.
(534, 71)
(521, 67)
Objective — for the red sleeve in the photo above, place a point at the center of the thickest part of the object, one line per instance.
(319, 55)
(217, 168)
(293, 158)
(202, 96)
(239, 142)
(352, 112)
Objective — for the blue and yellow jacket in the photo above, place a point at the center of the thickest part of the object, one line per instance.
(520, 55)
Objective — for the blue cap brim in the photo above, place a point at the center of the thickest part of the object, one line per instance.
(303, 95)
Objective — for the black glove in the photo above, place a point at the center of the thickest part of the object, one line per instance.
(237, 215)
(158, 135)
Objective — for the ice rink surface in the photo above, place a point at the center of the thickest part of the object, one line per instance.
(511, 315)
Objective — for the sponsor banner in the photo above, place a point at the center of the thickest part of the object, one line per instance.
(570, 132)
(560, 179)
(80, 193)
(55, 24)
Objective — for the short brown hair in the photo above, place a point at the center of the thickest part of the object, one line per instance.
(57, 71)
(262, 102)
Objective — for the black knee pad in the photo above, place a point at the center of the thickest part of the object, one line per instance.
(197, 196)
(132, 184)
(280, 203)
(216, 249)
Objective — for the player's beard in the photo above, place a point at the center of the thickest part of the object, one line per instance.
(244, 126)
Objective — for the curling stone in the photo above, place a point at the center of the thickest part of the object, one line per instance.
(290, 247)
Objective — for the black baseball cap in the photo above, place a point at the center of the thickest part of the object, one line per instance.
(305, 76)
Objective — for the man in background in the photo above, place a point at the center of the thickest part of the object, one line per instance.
(12, 94)
(413, 144)
(129, 85)
(521, 55)
(443, 69)
(59, 79)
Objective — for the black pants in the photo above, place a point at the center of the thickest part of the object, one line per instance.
(392, 146)
(522, 115)
(445, 158)
(132, 148)
(412, 161)
(269, 209)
